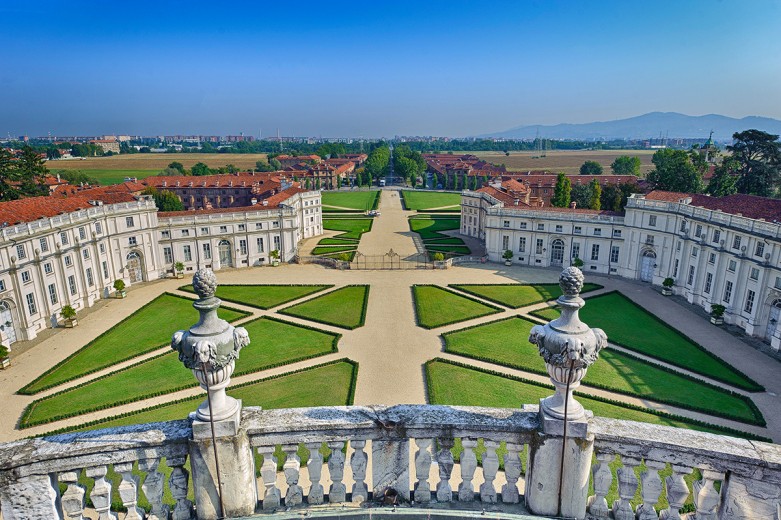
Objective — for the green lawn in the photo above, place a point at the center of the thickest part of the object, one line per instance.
(517, 295)
(362, 200)
(327, 250)
(430, 227)
(337, 242)
(275, 343)
(145, 330)
(345, 307)
(435, 307)
(352, 228)
(423, 200)
(262, 296)
(631, 326)
(505, 343)
(114, 176)
(456, 250)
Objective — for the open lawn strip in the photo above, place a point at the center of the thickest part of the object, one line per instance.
(327, 209)
(444, 241)
(429, 227)
(277, 343)
(436, 306)
(455, 209)
(262, 296)
(337, 242)
(329, 384)
(629, 325)
(457, 250)
(357, 200)
(515, 295)
(451, 383)
(351, 228)
(504, 343)
(147, 329)
(425, 200)
(344, 307)
(323, 250)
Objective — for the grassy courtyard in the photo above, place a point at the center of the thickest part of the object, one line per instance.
(505, 343)
(264, 296)
(517, 295)
(345, 307)
(425, 200)
(429, 228)
(277, 343)
(356, 200)
(435, 307)
(629, 325)
(150, 328)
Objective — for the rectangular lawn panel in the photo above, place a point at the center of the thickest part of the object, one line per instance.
(629, 325)
(352, 228)
(344, 307)
(505, 343)
(429, 227)
(423, 200)
(361, 200)
(337, 242)
(275, 343)
(435, 307)
(262, 296)
(327, 250)
(147, 329)
(515, 295)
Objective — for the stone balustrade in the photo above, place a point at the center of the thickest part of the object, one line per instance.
(393, 453)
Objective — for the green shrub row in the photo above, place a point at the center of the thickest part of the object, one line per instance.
(465, 296)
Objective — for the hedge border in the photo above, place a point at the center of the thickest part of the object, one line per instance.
(756, 389)
(726, 429)
(759, 418)
(30, 407)
(24, 391)
(475, 300)
(349, 401)
(457, 285)
(324, 287)
(362, 320)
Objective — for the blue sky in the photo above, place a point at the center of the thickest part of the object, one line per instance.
(379, 69)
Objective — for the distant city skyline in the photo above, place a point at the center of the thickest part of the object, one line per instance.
(453, 68)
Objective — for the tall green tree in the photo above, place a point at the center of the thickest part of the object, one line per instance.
(674, 171)
(758, 155)
(7, 176)
(626, 165)
(596, 194)
(30, 172)
(200, 168)
(562, 192)
(591, 168)
(176, 165)
(581, 195)
(725, 178)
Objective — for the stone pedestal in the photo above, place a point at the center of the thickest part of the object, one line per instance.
(390, 467)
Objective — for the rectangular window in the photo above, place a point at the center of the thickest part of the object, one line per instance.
(616, 233)
(129, 222)
(82, 233)
(754, 273)
(522, 244)
(98, 228)
(749, 302)
(204, 231)
(777, 285)
(695, 252)
(538, 248)
(736, 242)
(578, 230)
(223, 229)
(165, 234)
(698, 230)
(131, 241)
(678, 246)
(44, 245)
(243, 247)
(26, 276)
(260, 245)
(242, 227)
(90, 280)
(559, 229)
(712, 258)
(275, 224)
(102, 247)
(731, 266)
(614, 254)
(760, 249)
(207, 251)
(20, 253)
(716, 236)
(576, 250)
(540, 227)
(522, 225)
(506, 223)
(47, 268)
(188, 254)
(690, 279)
(595, 252)
(708, 283)
(276, 242)
(168, 255)
(597, 232)
(652, 220)
(505, 242)
(31, 308)
(185, 232)
(683, 226)
(2, 285)
(72, 284)
(258, 225)
(85, 253)
(64, 238)
(649, 239)
(105, 269)
(52, 293)
(727, 291)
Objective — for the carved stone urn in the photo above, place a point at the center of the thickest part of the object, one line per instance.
(568, 347)
(210, 349)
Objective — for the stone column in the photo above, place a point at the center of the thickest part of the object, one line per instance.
(556, 487)
(31, 497)
(220, 452)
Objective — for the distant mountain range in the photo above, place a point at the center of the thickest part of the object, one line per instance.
(651, 125)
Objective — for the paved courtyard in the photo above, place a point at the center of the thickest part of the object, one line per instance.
(390, 348)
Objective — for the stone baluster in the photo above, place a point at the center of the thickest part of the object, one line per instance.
(490, 467)
(512, 472)
(128, 491)
(101, 493)
(466, 492)
(422, 492)
(627, 486)
(651, 489)
(358, 463)
(315, 469)
(73, 498)
(445, 463)
(292, 469)
(178, 483)
(602, 479)
(338, 491)
(706, 498)
(153, 488)
(677, 492)
(272, 499)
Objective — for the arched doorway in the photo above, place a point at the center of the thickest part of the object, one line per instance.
(135, 269)
(647, 266)
(7, 323)
(557, 252)
(226, 255)
(772, 321)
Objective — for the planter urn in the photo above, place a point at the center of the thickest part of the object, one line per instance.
(717, 320)
(69, 324)
(666, 291)
(5, 362)
(121, 294)
(508, 262)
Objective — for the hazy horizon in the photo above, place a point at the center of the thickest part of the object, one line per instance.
(452, 68)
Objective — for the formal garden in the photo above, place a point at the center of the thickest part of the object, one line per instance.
(434, 201)
(344, 245)
(430, 229)
(350, 201)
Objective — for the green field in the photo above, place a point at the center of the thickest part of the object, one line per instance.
(361, 200)
(631, 326)
(423, 200)
(337, 242)
(435, 307)
(276, 343)
(150, 328)
(114, 176)
(329, 250)
(429, 227)
(262, 296)
(345, 307)
(352, 228)
(505, 343)
(516, 296)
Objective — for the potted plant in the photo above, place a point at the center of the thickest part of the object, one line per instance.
(119, 287)
(439, 260)
(5, 361)
(508, 257)
(68, 314)
(179, 269)
(577, 262)
(274, 254)
(667, 286)
(717, 313)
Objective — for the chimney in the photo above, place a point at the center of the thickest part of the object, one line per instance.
(253, 201)
(165, 183)
(573, 205)
(265, 202)
(58, 177)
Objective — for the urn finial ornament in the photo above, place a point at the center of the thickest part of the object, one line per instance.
(205, 283)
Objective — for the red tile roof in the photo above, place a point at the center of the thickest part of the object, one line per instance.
(667, 196)
(272, 202)
(34, 208)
